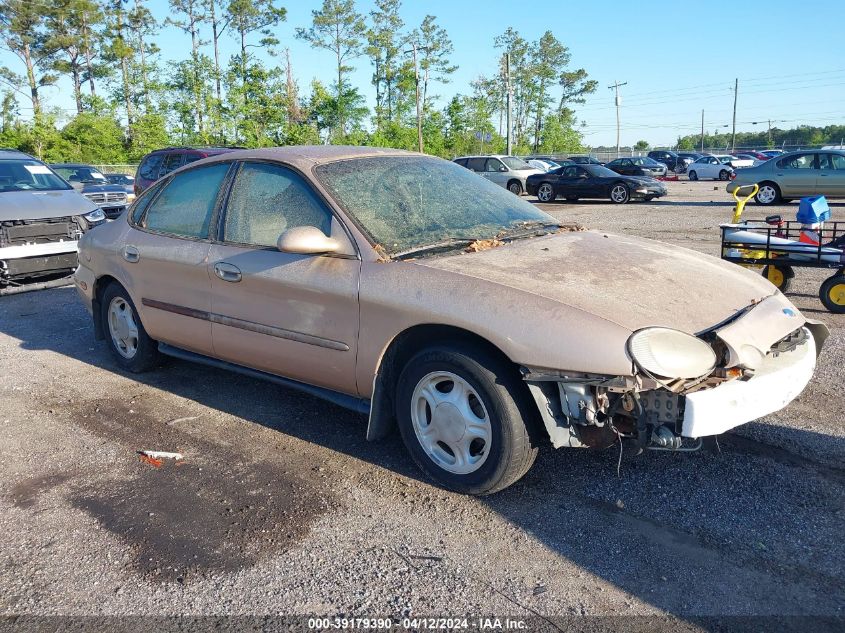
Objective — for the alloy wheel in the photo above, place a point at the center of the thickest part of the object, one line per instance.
(545, 193)
(122, 327)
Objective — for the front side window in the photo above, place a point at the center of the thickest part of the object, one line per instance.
(405, 202)
(799, 161)
(832, 162)
(493, 165)
(187, 203)
(268, 199)
(476, 164)
(28, 175)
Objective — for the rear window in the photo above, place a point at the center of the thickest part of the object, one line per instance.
(149, 168)
(170, 163)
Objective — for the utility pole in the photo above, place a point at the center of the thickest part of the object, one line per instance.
(419, 112)
(702, 131)
(616, 85)
(733, 133)
(509, 89)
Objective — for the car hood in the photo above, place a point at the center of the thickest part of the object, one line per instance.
(35, 205)
(628, 281)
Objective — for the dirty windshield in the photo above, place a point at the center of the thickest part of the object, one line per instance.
(406, 202)
(28, 175)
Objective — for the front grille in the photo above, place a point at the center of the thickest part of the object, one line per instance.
(41, 231)
(103, 197)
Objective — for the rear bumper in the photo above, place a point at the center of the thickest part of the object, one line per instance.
(778, 381)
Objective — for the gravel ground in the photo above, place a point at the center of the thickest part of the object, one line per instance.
(282, 507)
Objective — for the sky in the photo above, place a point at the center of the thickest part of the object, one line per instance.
(677, 58)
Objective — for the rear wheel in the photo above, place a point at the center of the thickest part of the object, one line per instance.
(462, 413)
(515, 187)
(693, 175)
(769, 193)
(129, 342)
(832, 293)
(619, 194)
(546, 192)
(779, 276)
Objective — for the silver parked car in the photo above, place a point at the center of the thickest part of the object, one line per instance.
(41, 219)
(508, 171)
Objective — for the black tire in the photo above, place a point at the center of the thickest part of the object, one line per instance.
(780, 276)
(572, 198)
(693, 175)
(724, 175)
(515, 187)
(146, 355)
(546, 192)
(619, 193)
(832, 293)
(768, 199)
(648, 198)
(503, 396)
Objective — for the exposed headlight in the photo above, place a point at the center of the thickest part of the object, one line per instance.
(670, 353)
(95, 216)
(642, 190)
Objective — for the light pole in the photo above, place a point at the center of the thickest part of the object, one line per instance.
(417, 87)
(616, 85)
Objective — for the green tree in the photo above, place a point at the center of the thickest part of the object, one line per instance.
(338, 27)
(436, 48)
(250, 16)
(384, 42)
(547, 57)
(143, 28)
(118, 49)
(189, 20)
(92, 138)
(21, 32)
(641, 146)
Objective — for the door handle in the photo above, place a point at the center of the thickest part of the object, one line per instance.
(131, 254)
(227, 272)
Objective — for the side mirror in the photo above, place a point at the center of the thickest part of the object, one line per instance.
(306, 240)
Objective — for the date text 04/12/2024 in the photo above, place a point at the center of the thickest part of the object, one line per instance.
(414, 624)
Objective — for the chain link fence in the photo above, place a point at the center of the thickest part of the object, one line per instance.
(129, 170)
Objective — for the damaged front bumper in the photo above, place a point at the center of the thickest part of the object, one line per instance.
(757, 377)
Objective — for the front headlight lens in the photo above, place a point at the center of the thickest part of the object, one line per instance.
(95, 216)
(671, 354)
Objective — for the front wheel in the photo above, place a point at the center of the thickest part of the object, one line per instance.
(693, 175)
(546, 192)
(129, 342)
(515, 187)
(724, 174)
(832, 293)
(462, 413)
(619, 194)
(779, 276)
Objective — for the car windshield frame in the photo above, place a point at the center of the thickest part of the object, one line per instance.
(41, 174)
(407, 203)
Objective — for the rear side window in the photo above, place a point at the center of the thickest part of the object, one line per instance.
(186, 205)
(149, 168)
(266, 200)
(170, 163)
(476, 164)
(800, 161)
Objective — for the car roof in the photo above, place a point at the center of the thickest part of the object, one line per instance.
(72, 165)
(482, 156)
(303, 156)
(7, 153)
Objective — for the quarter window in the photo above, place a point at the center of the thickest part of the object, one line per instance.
(187, 203)
(266, 200)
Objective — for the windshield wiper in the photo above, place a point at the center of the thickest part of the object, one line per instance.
(447, 244)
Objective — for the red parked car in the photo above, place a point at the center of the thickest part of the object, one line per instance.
(161, 162)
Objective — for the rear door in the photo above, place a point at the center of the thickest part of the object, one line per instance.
(165, 258)
(798, 174)
(288, 314)
(831, 180)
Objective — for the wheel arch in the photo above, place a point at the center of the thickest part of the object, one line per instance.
(400, 350)
(517, 181)
(100, 286)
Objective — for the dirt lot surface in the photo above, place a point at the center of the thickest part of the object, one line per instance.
(282, 507)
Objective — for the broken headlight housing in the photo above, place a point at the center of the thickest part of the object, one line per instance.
(668, 353)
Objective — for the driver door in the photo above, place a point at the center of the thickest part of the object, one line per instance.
(495, 171)
(288, 314)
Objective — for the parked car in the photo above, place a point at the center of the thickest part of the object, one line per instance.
(795, 175)
(508, 171)
(41, 219)
(751, 157)
(542, 165)
(734, 161)
(709, 166)
(407, 288)
(637, 166)
(584, 160)
(690, 156)
(673, 161)
(771, 153)
(753, 154)
(125, 181)
(573, 182)
(93, 184)
(161, 162)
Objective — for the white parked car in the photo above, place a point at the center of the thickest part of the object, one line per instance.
(710, 166)
(544, 165)
(735, 161)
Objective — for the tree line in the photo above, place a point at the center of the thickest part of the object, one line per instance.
(128, 101)
(797, 137)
